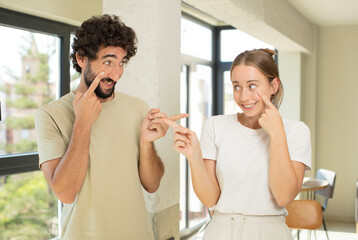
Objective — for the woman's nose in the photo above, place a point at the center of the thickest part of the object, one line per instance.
(245, 94)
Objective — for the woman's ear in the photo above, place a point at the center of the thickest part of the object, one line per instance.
(81, 60)
(275, 83)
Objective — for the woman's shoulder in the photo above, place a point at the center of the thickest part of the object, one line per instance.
(218, 122)
(295, 126)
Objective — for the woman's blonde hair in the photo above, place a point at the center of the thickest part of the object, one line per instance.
(262, 60)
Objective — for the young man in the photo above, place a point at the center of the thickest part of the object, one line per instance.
(96, 145)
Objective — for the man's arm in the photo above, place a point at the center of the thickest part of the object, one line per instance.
(151, 167)
(66, 175)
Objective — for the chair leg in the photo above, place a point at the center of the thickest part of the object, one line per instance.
(325, 228)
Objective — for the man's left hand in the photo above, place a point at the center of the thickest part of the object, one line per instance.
(153, 128)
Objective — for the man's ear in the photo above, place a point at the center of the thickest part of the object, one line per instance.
(275, 83)
(81, 60)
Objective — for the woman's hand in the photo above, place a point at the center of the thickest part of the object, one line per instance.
(154, 128)
(270, 119)
(185, 140)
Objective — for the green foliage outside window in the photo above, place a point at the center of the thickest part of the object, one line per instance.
(25, 145)
(28, 208)
(22, 89)
(22, 103)
(5, 89)
(27, 122)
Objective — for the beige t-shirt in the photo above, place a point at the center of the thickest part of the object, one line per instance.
(110, 204)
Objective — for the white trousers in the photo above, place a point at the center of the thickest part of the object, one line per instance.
(227, 226)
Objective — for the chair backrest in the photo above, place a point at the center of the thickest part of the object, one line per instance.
(304, 214)
(329, 176)
(356, 215)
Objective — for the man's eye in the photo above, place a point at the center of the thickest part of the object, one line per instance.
(123, 64)
(252, 86)
(107, 62)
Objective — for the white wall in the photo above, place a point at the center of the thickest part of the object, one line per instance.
(66, 11)
(154, 75)
(275, 21)
(289, 64)
(337, 114)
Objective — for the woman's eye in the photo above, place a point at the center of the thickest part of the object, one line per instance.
(236, 87)
(252, 86)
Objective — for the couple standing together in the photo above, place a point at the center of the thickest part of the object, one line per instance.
(96, 147)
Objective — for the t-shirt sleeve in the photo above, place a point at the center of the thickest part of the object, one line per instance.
(145, 109)
(49, 140)
(299, 144)
(207, 140)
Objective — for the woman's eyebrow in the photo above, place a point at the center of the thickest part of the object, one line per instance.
(249, 81)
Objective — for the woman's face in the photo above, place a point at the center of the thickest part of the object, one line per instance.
(246, 81)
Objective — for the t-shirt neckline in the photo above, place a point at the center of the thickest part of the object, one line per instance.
(115, 98)
(247, 130)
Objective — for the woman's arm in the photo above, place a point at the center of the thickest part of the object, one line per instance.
(285, 175)
(203, 173)
(205, 183)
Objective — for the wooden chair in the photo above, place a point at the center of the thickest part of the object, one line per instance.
(356, 214)
(304, 214)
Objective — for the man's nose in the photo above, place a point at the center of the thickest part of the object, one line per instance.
(115, 73)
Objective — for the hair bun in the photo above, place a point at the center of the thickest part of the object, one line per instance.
(268, 51)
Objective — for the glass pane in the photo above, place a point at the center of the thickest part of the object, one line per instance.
(75, 76)
(183, 164)
(200, 98)
(29, 76)
(200, 108)
(230, 106)
(28, 208)
(196, 40)
(234, 41)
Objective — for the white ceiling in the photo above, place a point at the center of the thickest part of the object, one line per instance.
(328, 12)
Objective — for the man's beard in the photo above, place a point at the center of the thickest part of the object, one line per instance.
(89, 76)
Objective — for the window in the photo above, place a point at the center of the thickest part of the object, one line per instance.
(196, 39)
(29, 79)
(196, 99)
(234, 41)
(34, 70)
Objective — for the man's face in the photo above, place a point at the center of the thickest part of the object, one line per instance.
(110, 61)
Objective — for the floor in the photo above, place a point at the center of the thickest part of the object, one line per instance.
(336, 231)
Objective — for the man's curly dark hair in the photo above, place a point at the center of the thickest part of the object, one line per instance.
(102, 31)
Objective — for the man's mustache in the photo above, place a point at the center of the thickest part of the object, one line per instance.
(107, 79)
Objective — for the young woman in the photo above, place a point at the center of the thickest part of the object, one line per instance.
(248, 166)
